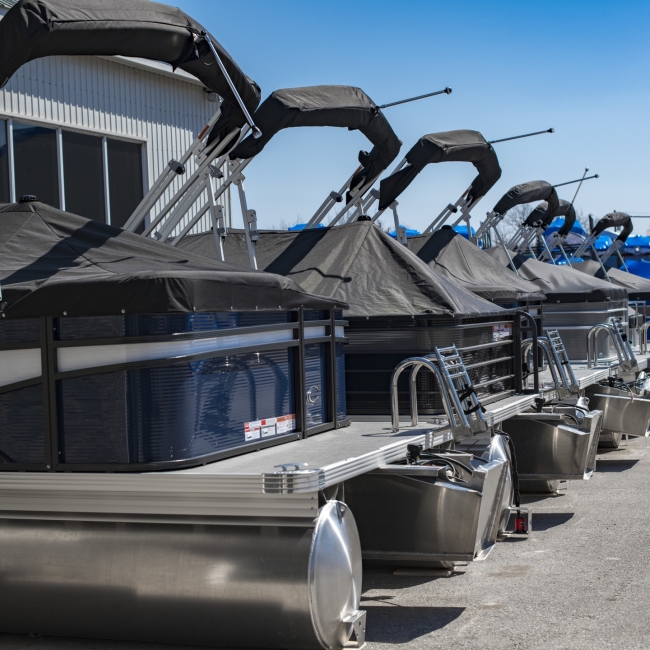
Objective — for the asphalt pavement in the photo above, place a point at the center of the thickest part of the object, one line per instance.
(581, 581)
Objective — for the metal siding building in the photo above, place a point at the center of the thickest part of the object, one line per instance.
(132, 100)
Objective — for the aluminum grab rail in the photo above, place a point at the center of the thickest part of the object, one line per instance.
(643, 337)
(592, 361)
(415, 364)
(519, 329)
(527, 347)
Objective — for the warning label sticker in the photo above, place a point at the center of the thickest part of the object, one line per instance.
(269, 427)
(502, 331)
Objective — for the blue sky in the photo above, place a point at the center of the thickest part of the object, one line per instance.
(515, 67)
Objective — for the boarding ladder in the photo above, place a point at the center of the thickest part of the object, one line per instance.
(616, 331)
(624, 342)
(460, 386)
(460, 402)
(562, 362)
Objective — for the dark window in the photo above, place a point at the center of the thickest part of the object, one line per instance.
(178, 412)
(83, 173)
(4, 164)
(125, 179)
(35, 162)
(22, 433)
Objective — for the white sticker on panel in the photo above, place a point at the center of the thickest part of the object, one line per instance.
(269, 427)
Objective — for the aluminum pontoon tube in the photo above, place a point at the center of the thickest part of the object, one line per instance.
(249, 585)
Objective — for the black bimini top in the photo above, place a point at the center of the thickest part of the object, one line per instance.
(448, 146)
(339, 106)
(615, 220)
(139, 28)
(541, 214)
(637, 288)
(356, 263)
(467, 265)
(560, 283)
(528, 193)
(53, 262)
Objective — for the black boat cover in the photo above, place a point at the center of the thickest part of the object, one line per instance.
(638, 288)
(342, 106)
(467, 265)
(356, 263)
(448, 146)
(565, 209)
(139, 28)
(527, 193)
(560, 283)
(615, 220)
(54, 263)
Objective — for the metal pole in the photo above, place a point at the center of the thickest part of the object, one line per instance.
(526, 135)
(578, 180)
(573, 200)
(256, 132)
(446, 91)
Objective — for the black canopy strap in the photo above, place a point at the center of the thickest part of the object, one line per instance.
(466, 394)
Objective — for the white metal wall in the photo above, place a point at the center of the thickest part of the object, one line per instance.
(115, 98)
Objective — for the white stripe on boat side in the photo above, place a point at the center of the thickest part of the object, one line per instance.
(79, 358)
(314, 332)
(19, 365)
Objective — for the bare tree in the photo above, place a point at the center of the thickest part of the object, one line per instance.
(583, 219)
(512, 220)
(285, 225)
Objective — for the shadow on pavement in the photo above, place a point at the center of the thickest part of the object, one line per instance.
(394, 624)
(547, 520)
(536, 498)
(613, 465)
(384, 579)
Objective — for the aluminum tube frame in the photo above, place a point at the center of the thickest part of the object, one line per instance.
(166, 178)
(246, 216)
(201, 170)
(461, 204)
(328, 203)
(234, 173)
(256, 132)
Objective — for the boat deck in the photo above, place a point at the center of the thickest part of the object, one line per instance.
(280, 482)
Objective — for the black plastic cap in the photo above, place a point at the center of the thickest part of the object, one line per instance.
(27, 198)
